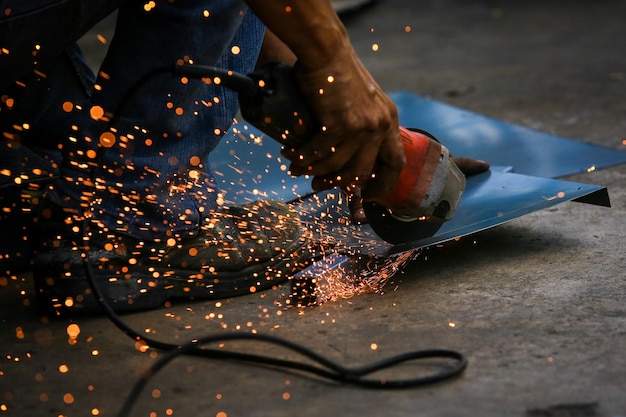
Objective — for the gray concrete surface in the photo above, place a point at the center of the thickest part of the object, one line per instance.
(538, 304)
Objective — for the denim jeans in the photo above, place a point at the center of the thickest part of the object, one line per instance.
(152, 177)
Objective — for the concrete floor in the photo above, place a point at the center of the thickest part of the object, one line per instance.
(538, 305)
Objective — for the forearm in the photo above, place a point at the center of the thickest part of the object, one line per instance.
(274, 49)
(310, 28)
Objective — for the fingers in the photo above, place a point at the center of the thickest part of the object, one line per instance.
(349, 137)
(355, 204)
(359, 150)
(331, 153)
(470, 166)
(358, 134)
(390, 161)
(351, 162)
(376, 169)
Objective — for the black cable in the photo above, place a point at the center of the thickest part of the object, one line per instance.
(324, 368)
(242, 84)
(339, 373)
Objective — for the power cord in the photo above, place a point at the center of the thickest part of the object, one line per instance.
(323, 367)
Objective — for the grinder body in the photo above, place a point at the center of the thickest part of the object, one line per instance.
(426, 195)
(430, 186)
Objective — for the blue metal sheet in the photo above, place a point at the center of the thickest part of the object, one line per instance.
(490, 199)
(475, 136)
(250, 167)
(357, 256)
(521, 181)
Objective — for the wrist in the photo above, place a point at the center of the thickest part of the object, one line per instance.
(328, 41)
(310, 28)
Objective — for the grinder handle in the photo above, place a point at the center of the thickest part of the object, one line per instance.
(278, 107)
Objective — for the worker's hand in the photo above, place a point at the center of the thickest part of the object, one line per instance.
(359, 133)
(468, 166)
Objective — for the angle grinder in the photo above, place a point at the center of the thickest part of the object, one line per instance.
(430, 186)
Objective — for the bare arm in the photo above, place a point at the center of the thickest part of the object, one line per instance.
(310, 28)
